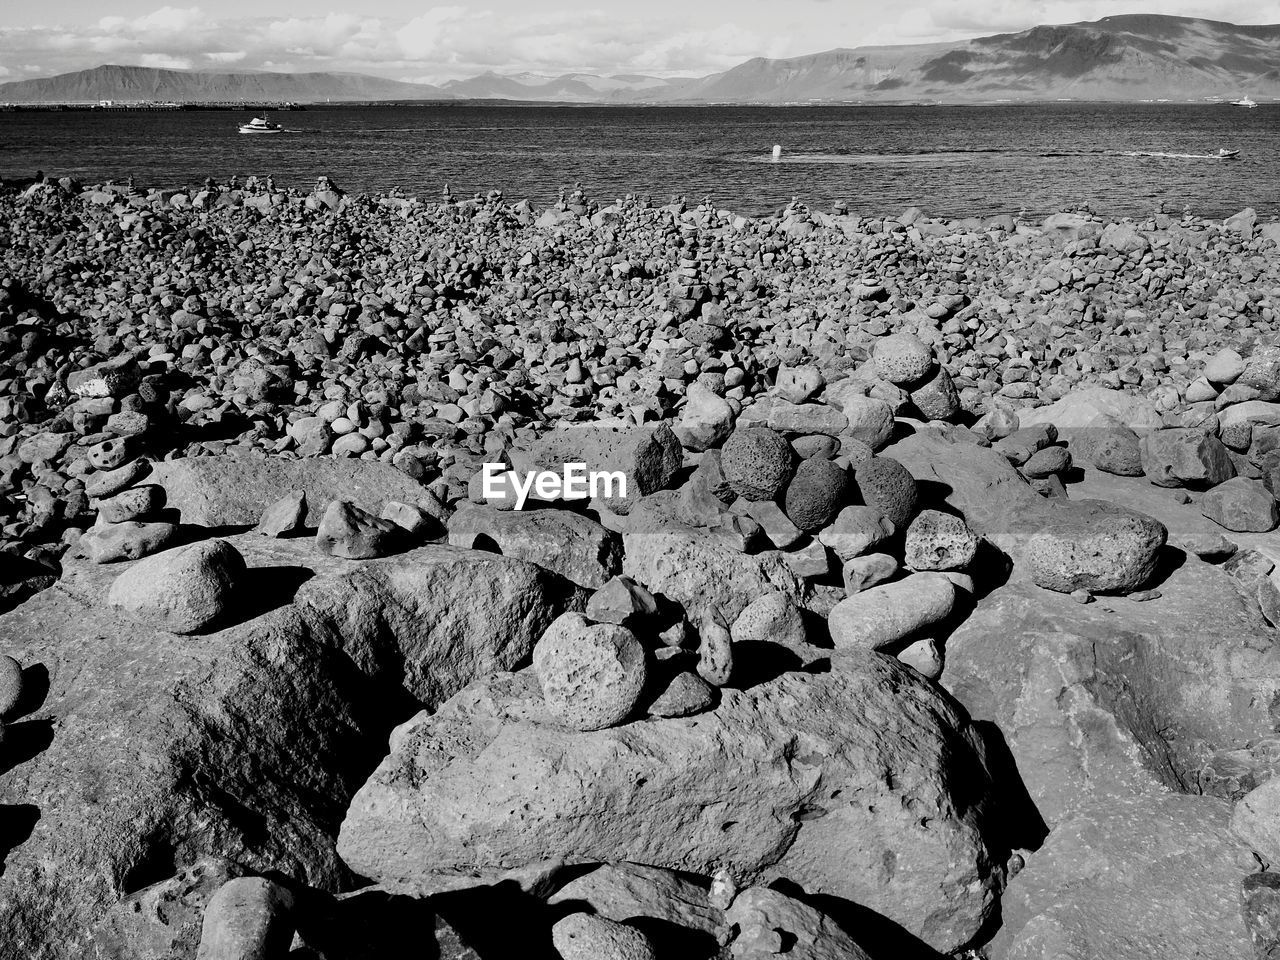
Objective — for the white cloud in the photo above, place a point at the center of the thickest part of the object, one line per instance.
(662, 37)
(163, 61)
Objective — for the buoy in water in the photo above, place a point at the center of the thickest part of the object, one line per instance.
(777, 152)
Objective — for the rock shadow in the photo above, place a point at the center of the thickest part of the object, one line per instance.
(525, 930)
(876, 934)
(35, 690)
(669, 939)
(262, 590)
(24, 741)
(1170, 560)
(759, 661)
(17, 823)
(1020, 825)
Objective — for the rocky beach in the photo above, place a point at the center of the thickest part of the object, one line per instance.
(938, 616)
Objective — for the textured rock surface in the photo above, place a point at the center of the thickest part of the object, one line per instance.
(591, 675)
(584, 936)
(823, 779)
(880, 617)
(233, 491)
(126, 776)
(771, 924)
(1148, 877)
(183, 590)
(570, 544)
(248, 918)
(694, 570)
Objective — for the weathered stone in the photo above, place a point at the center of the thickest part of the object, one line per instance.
(571, 544)
(249, 918)
(622, 601)
(1088, 544)
(902, 358)
(883, 617)
(1242, 505)
(484, 785)
(349, 532)
(1185, 457)
(583, 936)
(136, 503)
(757, 462)
(887, 485)
(816, 494)
(771, 924)
(183, 590)
(939, 541)
(591, 674)
(131, 540)
(285, 516)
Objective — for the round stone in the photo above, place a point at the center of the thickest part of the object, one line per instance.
(585, 936)
(816, 494)
(757, 462)
(902, 358)
(939, 541)
(11, 685)
(184, 590)
(591, 674)
(1094, 545)
(887, 485)
(870, 420)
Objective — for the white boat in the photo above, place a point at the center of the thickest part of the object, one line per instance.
(1224, 154)
(260, 125)
(1246, 102)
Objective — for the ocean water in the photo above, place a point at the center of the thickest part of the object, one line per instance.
(953, 161)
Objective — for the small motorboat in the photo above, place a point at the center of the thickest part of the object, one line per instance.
(260, 125)
(1224, 154)
(1246, 102)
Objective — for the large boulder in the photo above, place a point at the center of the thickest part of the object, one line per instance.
(145, 752)
(1185, 457)
(230, 491)
(823, 779)
(1080, 408)
(571, 544)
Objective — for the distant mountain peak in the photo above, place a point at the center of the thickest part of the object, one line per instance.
(1119, 57)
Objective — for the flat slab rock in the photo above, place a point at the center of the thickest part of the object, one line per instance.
(862, 783)
(226, 491)
(1144, 877)
(149, 748)
(1116, 695)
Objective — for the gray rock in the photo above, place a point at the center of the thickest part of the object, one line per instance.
(887, 485)
(1047, 463)
(227, 491)
(1185, 457)
(770, 924)
(870, 420)
(484, 785)
(756, 462)
(627, 891)
(925, 657)
(249, 918)
(856, 531)
(285, 516)
(939, 541)
(582, 936)
(936, 398)
(349, 532)
(1242, 505)
(864, 572)
(131, 540)
(12, 685)
(1260, 904)
(686, 694)
(1092, 545)
(136, 503)
(715, 648)
(622, 601)
(591, 675)
(772, 618)
(183, 590)
(111, 482)
(571, 544)
(902, 358)
(882, 617)
(816, 494)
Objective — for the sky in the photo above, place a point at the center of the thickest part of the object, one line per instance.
(407, 40)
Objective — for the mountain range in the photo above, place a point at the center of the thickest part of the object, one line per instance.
(1133, 57)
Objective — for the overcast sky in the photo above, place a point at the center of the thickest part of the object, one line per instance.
(407, 40)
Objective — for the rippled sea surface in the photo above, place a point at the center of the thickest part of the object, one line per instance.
(956, 161)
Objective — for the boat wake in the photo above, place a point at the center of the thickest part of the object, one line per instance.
(980, 155)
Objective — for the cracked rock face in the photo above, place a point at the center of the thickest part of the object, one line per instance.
(863, 783)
